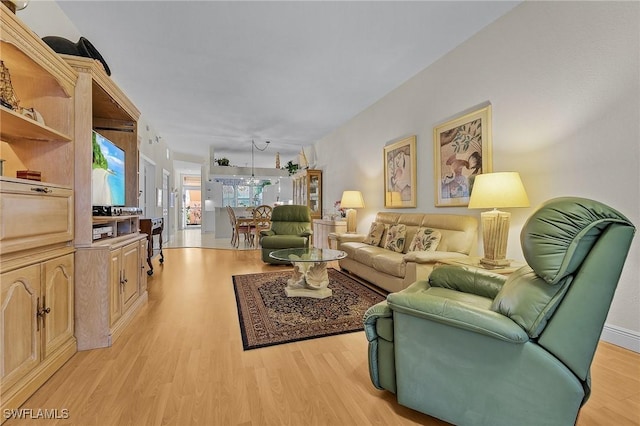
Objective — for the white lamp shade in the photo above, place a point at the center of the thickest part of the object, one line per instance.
(352, 200)
(498, 190)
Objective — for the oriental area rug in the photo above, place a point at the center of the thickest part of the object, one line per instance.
(268, 317)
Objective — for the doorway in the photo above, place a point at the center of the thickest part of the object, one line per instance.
(192, 202)
(147, 187)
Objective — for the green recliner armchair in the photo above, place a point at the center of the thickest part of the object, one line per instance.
(476, 348)
(290, 228)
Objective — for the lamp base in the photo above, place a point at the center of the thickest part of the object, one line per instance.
(495, 232)
(351, 221)
(494, 263)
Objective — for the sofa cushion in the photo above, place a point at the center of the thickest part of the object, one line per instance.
(426, 239)
(351, 247)
(375, 234)
(395, 238)
(390, 263)
(367, 253)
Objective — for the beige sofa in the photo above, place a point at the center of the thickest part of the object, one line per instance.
(395, 271)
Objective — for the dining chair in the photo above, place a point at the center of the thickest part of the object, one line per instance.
(261, 221)
(232, 221)
(239, 228)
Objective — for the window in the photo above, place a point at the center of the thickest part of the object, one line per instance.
(236, 193)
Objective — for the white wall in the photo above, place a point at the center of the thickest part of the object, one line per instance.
(154, 148)
(563, 79)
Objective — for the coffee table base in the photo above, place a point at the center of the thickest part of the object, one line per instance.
(309, 279)
(306, 292)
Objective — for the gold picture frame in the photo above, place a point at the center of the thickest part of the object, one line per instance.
(462, 150)
(400, 174)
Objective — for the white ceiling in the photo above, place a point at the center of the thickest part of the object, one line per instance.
(219, 73)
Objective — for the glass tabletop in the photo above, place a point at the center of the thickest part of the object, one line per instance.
(308, 255)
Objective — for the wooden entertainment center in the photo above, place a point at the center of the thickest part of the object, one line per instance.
(110, 269)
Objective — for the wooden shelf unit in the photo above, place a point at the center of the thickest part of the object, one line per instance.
(37, 257)
(307, 191)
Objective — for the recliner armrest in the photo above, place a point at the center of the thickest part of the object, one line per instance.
(371, 316)
(467, 280)
(267, 232)
(306, 233)
(441, 305)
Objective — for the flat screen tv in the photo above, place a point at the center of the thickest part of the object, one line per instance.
(107, 177)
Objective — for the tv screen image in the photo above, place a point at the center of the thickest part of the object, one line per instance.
(107, 179)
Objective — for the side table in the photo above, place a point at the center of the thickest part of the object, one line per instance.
(322, 228)
(151, 227)
(474, 262)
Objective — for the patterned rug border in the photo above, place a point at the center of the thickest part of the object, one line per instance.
(245, 344)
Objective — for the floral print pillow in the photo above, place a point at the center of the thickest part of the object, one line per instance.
(426, 239)
(395, 237)
(375, 234)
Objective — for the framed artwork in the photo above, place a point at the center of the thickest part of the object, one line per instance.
(462, 150)
(400, 174)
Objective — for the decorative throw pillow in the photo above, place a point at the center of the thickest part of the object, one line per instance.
(395, 237)
(426, 239)
(383, 239)
(375, 234)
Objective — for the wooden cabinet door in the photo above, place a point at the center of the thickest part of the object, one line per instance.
(131, 274)
(143, 253)
(115, 286)
(19, 334)
(34, 215)
(57, 325)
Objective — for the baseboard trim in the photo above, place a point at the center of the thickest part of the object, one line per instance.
(623, 337)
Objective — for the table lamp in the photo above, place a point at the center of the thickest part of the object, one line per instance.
(351, 200)
(497, 190)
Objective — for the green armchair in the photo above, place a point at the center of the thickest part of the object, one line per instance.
(475, 348)
(290, 228)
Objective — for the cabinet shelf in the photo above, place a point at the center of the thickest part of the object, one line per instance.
(52, 74)
(17, 127)
(109, 229)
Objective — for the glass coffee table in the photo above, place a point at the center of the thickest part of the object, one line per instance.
(309, 278)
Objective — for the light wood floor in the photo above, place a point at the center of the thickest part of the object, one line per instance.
(182, 363)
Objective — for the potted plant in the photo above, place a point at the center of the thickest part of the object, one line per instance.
(222, 161)
(291, 168)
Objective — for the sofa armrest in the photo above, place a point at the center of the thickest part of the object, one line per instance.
(346, 238)
(467, 280)
(434, 306)
(430, 256)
